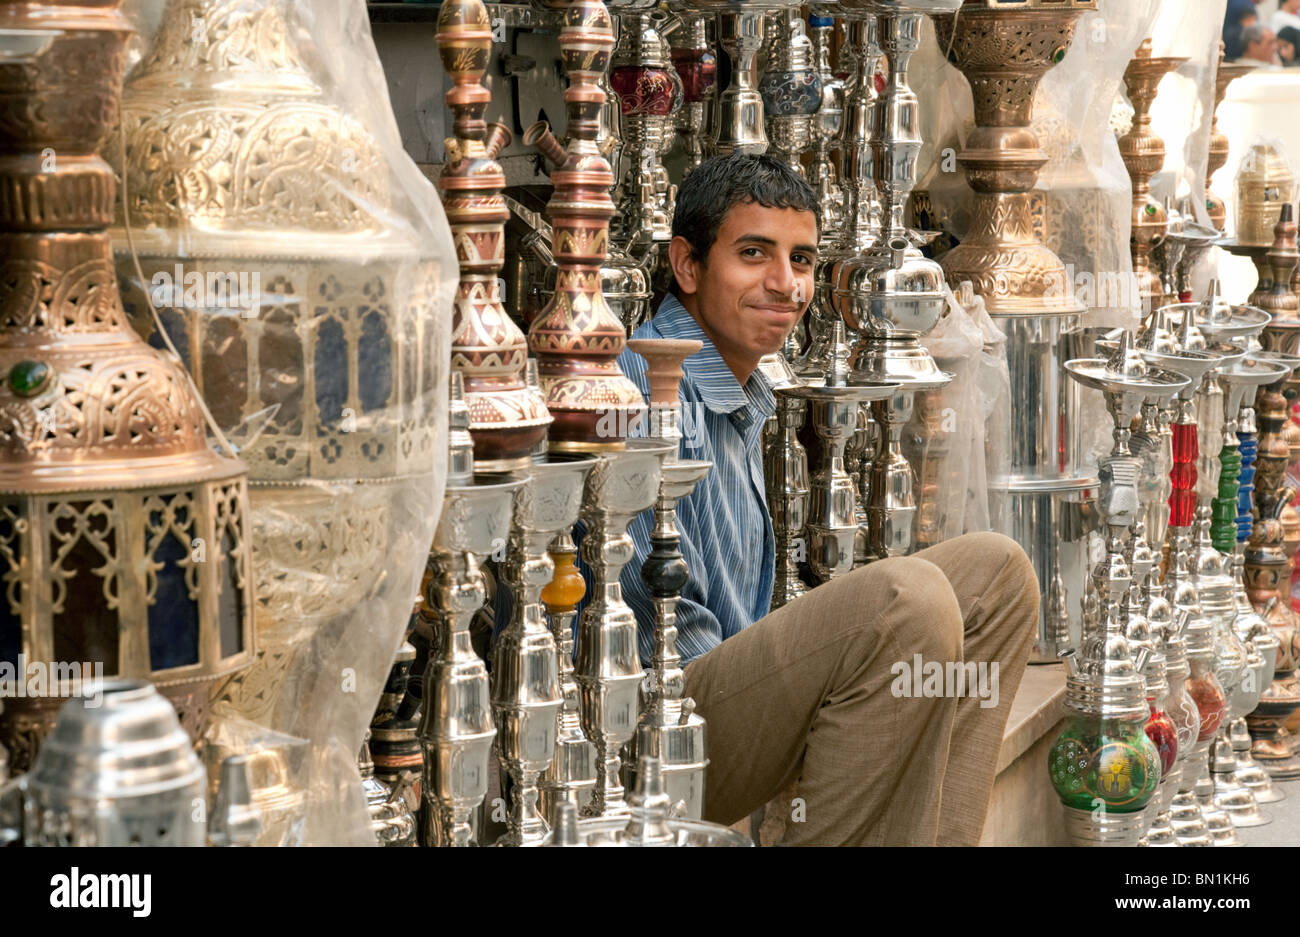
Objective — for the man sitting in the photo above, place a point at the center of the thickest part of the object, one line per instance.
(813, 692)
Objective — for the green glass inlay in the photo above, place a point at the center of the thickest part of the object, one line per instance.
(28, 378)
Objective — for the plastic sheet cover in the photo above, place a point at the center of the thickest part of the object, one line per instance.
(303, 268)
(968, 345)
(1084, 188)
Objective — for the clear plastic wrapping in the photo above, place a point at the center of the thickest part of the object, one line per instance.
(303, 267)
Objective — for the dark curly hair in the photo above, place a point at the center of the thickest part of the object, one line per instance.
(708, 193)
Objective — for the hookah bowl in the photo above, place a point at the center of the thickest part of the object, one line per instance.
(669, 729)
(738, 127)
(697, 68)
(608, 669)
(649, 820)
(571, 776)
(456, 729)
(118, 770)
(1275, 263)
(792, 91)
(526, 695)
(1143, 152)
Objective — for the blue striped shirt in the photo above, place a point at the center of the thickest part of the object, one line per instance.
(727, 537)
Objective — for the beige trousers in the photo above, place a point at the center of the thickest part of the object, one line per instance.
(822, 692)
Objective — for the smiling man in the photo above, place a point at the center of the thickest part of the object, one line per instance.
(811, 692)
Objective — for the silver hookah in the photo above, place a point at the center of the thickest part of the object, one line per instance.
(644, 216)
(834, 407)
(691, 35)
(391, 819)
(117, 770)
(608, 670)
(571, 776)
(891, 295)
(828, 124)
(526, 694)
(791, 89)
(861, 210)
(669, 729)
(738, 120)
(456, 728)
(649, 821)
(785, 467)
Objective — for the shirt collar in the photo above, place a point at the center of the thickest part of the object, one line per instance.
(713, 379)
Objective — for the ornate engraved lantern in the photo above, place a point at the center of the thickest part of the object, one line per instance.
(123, 536)
(272, 238)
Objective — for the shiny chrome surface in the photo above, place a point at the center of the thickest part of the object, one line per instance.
(608, 668)
(526, 695)
(118, 770)
(785, 467)
(456, 728)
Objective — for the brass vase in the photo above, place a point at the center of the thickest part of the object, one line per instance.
(1004, 49)
(576, 337)
(1143, 152)
(124, 537)
(507, 418)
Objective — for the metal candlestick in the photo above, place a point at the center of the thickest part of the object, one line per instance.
(526, 696)
(669, 728)
(608, 669)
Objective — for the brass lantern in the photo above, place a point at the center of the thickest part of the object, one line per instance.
(123, 536)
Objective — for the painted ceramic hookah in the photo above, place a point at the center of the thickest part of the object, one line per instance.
(576, 337)
(669, 729)
(507, 418)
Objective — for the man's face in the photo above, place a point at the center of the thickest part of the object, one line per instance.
(1265, 48)
(757, 282)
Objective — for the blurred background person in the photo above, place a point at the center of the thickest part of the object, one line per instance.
(1288, 43)
(1237, 16)
(1287, 15)
(1259, 46)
